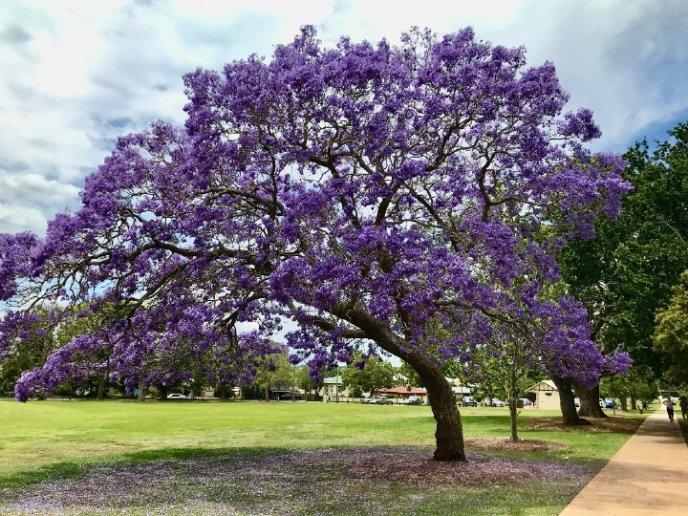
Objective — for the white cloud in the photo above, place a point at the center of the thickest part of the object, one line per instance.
(74, 74)
(16, 217)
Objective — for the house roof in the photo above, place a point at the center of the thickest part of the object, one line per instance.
(544, 385)
(401, 389)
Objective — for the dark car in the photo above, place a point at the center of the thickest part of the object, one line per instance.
(469, 401)
(285, 396)
(414, 400)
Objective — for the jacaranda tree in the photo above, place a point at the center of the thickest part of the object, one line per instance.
(367, 193)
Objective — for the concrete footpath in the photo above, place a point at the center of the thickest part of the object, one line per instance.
(648, 475)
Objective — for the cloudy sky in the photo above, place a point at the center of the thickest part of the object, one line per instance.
(75, 74)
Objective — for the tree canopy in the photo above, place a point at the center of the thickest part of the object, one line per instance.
(671, 333)
(626, 274)
(366, 192)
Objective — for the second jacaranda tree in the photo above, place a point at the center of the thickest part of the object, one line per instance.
(359, 198)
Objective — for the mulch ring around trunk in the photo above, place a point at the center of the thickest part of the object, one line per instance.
(416, 466)
(521, 446)
(624, 425)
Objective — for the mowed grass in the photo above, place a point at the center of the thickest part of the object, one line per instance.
(42, 441)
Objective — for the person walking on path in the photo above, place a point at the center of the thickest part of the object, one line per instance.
(670, 408)
(683, 403)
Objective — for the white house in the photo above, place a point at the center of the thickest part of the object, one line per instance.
(546, 395)
(333, 389)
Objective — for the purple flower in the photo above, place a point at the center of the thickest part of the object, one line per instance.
(372, 195)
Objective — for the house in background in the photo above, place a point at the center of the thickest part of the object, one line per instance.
(333, 389)
(403, 393)
(546, 395)
(459, 389)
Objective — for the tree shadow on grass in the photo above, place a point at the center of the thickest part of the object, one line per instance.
(374, 480)
(72, 470)
(618, 425)
(76, 469)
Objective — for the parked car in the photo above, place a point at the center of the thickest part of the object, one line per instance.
(288, 396)
(469, 401)
(414, 400)
(526, 402)
(497, 403)
(576, 402)
(378, 400)
(609, 404)
(175, 396)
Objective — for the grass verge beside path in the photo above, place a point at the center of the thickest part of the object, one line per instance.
(247, 457)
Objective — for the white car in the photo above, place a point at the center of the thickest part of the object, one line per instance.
(175, 396)
(498, 403)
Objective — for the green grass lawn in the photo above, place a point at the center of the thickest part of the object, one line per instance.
(44, 441)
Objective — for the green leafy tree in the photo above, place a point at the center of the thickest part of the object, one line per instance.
(644, 387)
(278, 373)
(305, 382)
(617, 386)
(671, 333)
(504, 364)
(627, 272)
(408, 376)
(375, 374)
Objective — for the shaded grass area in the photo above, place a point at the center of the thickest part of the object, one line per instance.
(71, 444)
(381, 480)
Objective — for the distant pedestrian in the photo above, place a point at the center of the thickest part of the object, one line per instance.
(683, 403)
(644, 404)
(670, 408)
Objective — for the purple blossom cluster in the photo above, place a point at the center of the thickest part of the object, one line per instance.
(404, 197)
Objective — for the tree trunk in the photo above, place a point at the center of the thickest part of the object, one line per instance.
(512, 416)
(567, 402)
(624, 403)
(101, 388)
(590, 402)
(142, 394)
(634, 402)
(512, 399)
(449, 433)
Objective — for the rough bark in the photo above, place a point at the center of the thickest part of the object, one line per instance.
(567, 402)
(634, 402)
(449, 433)
(624, 403)
(590, 402)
